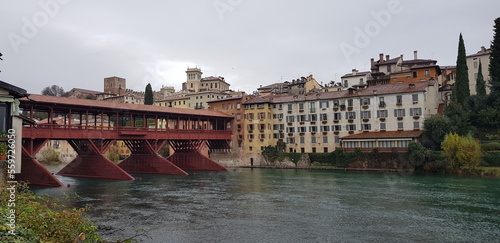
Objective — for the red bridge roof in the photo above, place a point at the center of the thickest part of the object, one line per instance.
(120, 106)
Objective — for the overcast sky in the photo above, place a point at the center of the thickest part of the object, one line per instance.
(76, 43)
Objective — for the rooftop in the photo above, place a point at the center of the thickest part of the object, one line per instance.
(119, 106)
(384, 135)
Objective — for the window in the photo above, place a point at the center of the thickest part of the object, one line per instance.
(386, 144)
(415, 111)
(301, 106)
(399, 99)
(313, 129)
(336, 103)
(290, 107)
(399, 112)
(238, 115)
(365, 114)
(382, 126)
(262, 115)
(325, 139)
(302, 129)
(475, 65)
(365, 101)
(262, 126)
(323, 117)
(325, 150)
(290, 118)
(313, 139)
(366, 127)
(350, 102)
(337, 139)
(368, 144)
(250, 148)
(250, 116)
(323, 104)
(400, 126)
(416, 125)
(337, 116)
(260, 105)
(302, 150)
(290, 129)
(301, 118)
(350, 115)
(351, 127)
(313, 117)
(302, 140)
(389, 68)
(238, 105)
(427, 73)
(312, 107)
(382, 114)
(414, 97)
(403, 143)
(336, 128)
(414, 74)
(250, 136)
(325, 128)
(314, 150)
(290, 140)
(250, 127)
(262, 136)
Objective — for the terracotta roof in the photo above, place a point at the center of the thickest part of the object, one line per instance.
(258, 100)
(370, 91)
(121, 106)
(385, 135)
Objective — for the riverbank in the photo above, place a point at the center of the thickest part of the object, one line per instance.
(326, 168)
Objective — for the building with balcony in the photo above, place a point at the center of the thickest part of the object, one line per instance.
(355, 118)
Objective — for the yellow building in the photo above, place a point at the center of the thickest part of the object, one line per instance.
(177, 101)
(259, 129)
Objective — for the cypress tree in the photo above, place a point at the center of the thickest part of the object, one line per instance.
(494, 67)
(461, 88)
(480, 83)
(148, 95)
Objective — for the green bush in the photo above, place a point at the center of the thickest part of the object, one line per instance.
(492, 158)
(38, 220)
(294, 157)
(490, 146)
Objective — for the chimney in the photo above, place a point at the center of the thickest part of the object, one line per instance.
(415, 55)
(387, 57)
(354, 71)
(372, 61)
(483, 49)
(381, 57)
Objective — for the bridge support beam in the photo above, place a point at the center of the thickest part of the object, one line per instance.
(31, 170)
(188, 157)
(145, 159)
(91, 161)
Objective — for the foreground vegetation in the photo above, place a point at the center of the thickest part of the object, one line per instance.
(40, 219)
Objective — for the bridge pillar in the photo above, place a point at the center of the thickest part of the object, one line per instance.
(31, 170)
(188, 156)
(145, 159)
(91, 161)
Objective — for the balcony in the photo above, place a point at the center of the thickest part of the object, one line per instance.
(365, 107)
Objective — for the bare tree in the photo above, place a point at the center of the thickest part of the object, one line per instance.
(54, 90)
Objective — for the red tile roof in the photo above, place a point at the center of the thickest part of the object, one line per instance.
(120, 106)
(385, 135)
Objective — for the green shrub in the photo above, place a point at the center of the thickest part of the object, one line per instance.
(38, 220)
(490, 146)
(492, 158)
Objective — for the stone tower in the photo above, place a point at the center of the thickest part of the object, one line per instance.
(115, 85)
(193, 76)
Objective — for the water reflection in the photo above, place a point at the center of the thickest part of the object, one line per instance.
(258, 205)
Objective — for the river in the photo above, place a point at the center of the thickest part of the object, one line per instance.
(271, 205)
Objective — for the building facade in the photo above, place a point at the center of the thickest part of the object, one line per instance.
(320, 122)
(483, 57)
